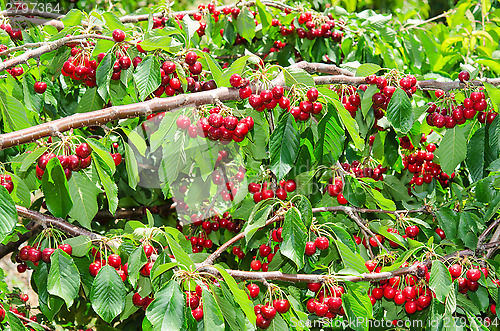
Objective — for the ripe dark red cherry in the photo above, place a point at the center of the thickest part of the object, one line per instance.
(66, 248)
(310, 248)
(83, 150)
(46, 253)
(235, 80)
(117, 158)
(118, 35)
(254, 290)
(455, 270)
(322, 243)
(183, 122)
(473, 275)
(137, 300)
(412, 231)
(148, 250)
(114, 260)
(464, 76)
(440, 233)
(282, 306)
(191, 58)
(411, 307)
(40, 87)
(255, 265)
(312, 94)
(268, 312)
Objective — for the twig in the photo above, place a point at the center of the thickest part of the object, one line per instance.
(22, 318)
(428, 20)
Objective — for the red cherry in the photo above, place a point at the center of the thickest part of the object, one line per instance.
(413, 230)
(197, 314)
(440, 233)
(94, 268)
(66, 248)
(268, 312)
(46, 253)
(191, 58)
(114, 260)
(341, 200)
(254, 290)
(34, 255)
(148, 250)
(312, 94)
(464, 76)
(40, 87)
(262, 322)
(137, 300)
(377, 293)
(282, 306)
(314, 287)
(322, 243)
(24, 297)
(311, 306)
(117, 158)
(118, 35)
(409, 292)
(235, 80)
(473, 275)
(255, 265)
(411, 307)
(264, 250)
(290, 185)
(83, 150)
(310, 248)
(146, 269)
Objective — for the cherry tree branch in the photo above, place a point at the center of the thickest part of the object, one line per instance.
(134, 212)
(56, 222)
(47, 47)
(27, 320)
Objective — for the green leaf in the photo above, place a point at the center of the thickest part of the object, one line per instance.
(354, 192)
(90, 101)
(233, 315)
(80, 245)
(331, 138)
(113, 22)
(103, 75)
(15, 323)
(350, 124)
(257, 219)
(440, 281)
(494, 95)
(102, 156)
(189, 26)
(109, 187)
(239, 295)
(8, 214)
(447, 220)
(13, 113)
(158, 137)
(367, 69)
(135, 262)
(284, 146)
(31, 158)
(452, 150)
(108, 294)
(391, 148)
(49, 304)
(55, 189)
(72, 18)
(245, 24)
(180, 255)
(351, 260)
(212, 316)
(132, 168)
(64, 278)
(147, 76)
(399, 111)
(237, 67)
(294, 238)
(357, 306)
(395, 188)
(215, 69)
(295, 76)
(166, 312)
(84, 196)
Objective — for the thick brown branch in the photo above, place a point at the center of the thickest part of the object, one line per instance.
(58, 223)
(48, 47)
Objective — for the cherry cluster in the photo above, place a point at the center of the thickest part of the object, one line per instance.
(6, 181)
(265, 313)
(387, 88)
(265, 252)
(215, 223)
(194, 301)
(444, 112)
(375, 173)
(327, 301)
(74, 162)
(321, 243)
(34, 254)
(14, 34)
(115, 261)
(349, 97)
(334, 189)
(80, 67)
(23, 297)
(307, 107)
(216, 127)
(412, 291)
(471, 280)
(265, 190)
(318, 27)
(424, 169)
